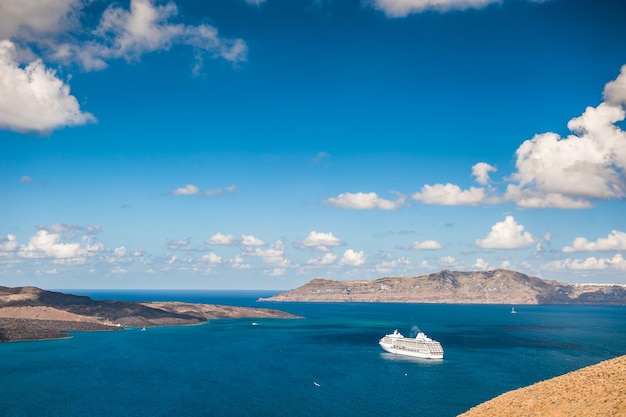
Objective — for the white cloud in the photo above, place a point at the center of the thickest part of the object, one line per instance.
(238, 263)
(481, 171)
(449, 262)
(249, 240)
(179, 244)
(274, 255)
(21, 17)
(321, 241)
(191, 189)
(392, 264)
(212, 258)
(615, 241)
(588, 164)
(145, 28)
(450, 195)
(353, 258)
(481, 264)
(220, 239)
(402, 8)
(531, 198)
(8, 243)
(615, 91)
(47, 245)
(556, 172)
(325, 259)
(506, 234)
(592, 263)
(425, 245)
(119, 252)
(365, 201)
(33, 98)
(188, 189)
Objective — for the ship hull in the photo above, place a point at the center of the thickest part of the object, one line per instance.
(403, 352)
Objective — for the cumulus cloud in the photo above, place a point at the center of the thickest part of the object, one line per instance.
(615, 241)
(48, 245)
(449, 262)
(8, 243)
(588, 164)
(450, 195)
(402, 8)
(325, 259)
(617, 262)
(23, 17)
(221, 239)
(249, 240)
(389, 264)
(481, 171)
(321, 241)
(365, 201)
(179, 244)
(212, 258)
(274, 255)
(188, 189)
(557, 172)
(353, 258)
(33, 98)
(506, 234)
(146, 27)
(425, 245)
(615, 91)
(481, 264)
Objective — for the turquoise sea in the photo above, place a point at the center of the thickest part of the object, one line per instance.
(325, 364)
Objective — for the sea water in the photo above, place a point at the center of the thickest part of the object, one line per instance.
(327, 363)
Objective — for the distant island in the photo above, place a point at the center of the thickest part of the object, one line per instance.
(499, 286)
(30, 313)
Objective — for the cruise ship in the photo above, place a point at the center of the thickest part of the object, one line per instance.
(421, 346)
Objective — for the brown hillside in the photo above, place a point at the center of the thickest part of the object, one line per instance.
(594, 391)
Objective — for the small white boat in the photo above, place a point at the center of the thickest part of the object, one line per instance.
(513, 310)
(421, 346)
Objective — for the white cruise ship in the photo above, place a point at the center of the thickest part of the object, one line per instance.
(420, 347)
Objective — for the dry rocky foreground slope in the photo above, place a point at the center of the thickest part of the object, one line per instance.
(478, 287)
(594, 391)
(30, 313)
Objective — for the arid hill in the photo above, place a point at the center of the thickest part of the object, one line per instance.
(30, 313)
(481, 287)
(594, 391)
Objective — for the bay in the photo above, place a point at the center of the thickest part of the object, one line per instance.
(327, 363)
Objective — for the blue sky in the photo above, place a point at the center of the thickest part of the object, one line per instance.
(238, 144)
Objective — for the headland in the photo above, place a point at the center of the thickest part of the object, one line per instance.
(30, 313)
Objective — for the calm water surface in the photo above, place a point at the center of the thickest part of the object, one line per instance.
(232, 368)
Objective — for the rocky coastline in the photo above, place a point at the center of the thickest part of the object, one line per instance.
(30, 313)
(455, 287)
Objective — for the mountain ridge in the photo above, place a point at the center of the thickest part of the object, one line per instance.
(499, 286)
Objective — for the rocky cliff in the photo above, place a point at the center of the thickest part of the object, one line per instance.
(30, 313)
(480, 287)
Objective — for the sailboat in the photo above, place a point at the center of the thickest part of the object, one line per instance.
(513, 310)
